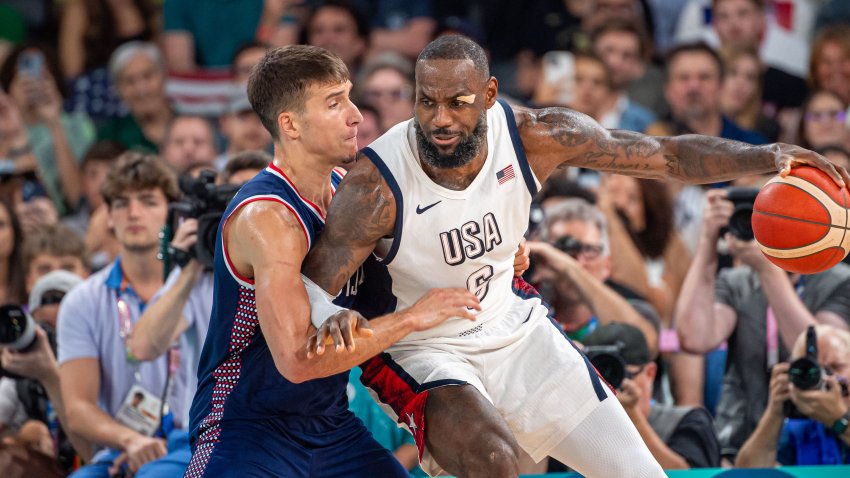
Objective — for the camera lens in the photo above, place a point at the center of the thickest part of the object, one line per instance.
(611, 367)
(741, 222)
(17, 329)
(805, 374)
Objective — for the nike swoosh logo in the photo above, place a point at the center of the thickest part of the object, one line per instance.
(420, 209)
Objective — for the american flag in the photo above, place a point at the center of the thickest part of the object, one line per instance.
(505, 174)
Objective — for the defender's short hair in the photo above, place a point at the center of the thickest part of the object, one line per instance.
(279, 82)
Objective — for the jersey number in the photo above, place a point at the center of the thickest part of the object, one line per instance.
(479, 281)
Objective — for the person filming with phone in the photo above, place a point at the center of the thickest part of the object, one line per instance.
(808, 411)
(42, 131)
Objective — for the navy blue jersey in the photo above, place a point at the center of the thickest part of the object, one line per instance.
(237, 377)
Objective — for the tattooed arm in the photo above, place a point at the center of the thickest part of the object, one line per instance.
(361, 213)
(553, 136)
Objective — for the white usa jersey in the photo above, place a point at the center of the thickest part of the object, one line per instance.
(448, 238)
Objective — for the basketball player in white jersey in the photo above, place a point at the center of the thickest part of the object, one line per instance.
(443, 200)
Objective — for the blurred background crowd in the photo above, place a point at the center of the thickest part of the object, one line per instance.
(662, 283)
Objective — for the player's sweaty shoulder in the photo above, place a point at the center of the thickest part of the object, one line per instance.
(262, 227)
(363, 195)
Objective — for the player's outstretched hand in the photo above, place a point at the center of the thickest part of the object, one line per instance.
(339, 330)
(438, 305)
(791, 156)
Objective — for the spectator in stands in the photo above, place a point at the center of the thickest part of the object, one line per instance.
(183, 311)
(98, 374)
(651, 257)
(820, 435)
(369, 128)
(758, 308)
(36, 394)
(242, 129)
(837, 154)
(16, 156)
(829, 65)
(824, 121)
(244, 60)
(624, 47)
(96, 163)
(244, 166)
(574, 264)
(58, 140)
(138, 71)
(53, 248)
(400, 27)
(12, 272)
(386, 83)
(90, 30)
(694, 79)
(189, 144)
(678, 437)
(196, 39)
(741, 92)
(592, 92)
(340, 27)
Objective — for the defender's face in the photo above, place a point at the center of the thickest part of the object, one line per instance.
(451, 100)
(329, 122)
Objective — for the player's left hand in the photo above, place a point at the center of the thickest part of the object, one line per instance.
(522, 259)
(339, 330)
(790, 156)
(824, 405)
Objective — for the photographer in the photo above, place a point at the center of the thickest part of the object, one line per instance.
(678, 437)
(35, 393)
(183, 311)
(577, 269)
(758, 308)
(822, 437)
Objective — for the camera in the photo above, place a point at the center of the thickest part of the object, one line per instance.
(569, 245)
(17, 329)
(740, 223)
(805, 372)
(206, 202)
(609, 362)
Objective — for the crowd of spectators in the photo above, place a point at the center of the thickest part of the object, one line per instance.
(109, 107)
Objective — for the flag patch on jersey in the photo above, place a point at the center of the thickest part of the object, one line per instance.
(505, 174)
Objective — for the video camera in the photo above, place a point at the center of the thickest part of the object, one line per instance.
(741, 221)
(206, 202)
(17, 332)
(609, 362)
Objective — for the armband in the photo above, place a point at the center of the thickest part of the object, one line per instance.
(321, 302)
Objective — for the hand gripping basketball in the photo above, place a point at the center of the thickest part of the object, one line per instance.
(800, 221)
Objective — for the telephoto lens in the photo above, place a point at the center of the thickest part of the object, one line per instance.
(17, 329)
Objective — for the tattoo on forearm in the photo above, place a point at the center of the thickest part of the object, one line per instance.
(578, 140)
(362, 212)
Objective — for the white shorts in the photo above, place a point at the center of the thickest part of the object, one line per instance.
(523, 364)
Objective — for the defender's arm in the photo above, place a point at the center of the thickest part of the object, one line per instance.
(553, 136)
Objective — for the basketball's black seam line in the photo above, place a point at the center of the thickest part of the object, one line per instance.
(807, 221)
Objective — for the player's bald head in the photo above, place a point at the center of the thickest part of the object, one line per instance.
(457, 47)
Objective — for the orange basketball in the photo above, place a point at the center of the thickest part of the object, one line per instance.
(800, 221)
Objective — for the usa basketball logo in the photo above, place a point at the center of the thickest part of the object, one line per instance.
(800, 222)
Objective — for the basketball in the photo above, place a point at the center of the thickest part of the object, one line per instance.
(800, 221)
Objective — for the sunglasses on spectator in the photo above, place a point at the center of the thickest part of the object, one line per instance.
(396, 94)
(832, 115)
(575, 248)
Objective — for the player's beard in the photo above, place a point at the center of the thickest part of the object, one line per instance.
(467, 148)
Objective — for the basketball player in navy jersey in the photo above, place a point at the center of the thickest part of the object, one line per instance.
(442, 200)
(262, 408)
